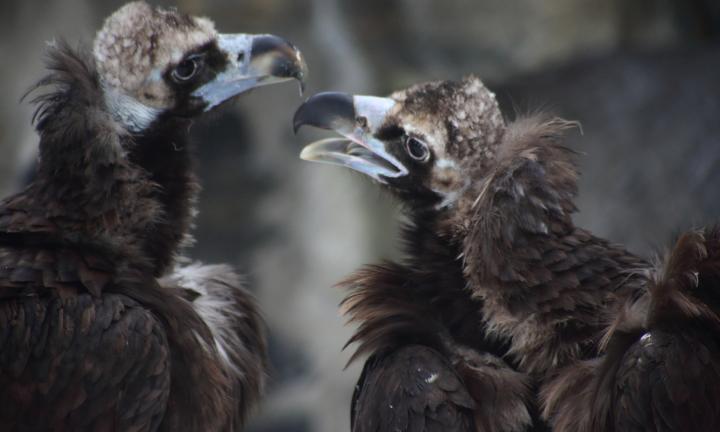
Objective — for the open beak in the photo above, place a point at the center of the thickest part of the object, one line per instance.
(254, 61)
(356, 119)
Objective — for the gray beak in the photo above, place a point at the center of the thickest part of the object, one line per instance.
(254, 61)
(356, 119)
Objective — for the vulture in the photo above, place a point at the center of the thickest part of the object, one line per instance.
(103, 325)
(505, 316)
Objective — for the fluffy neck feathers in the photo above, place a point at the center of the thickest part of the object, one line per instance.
(421, 300)
(98, 181)
(544, 283)
(527, 196)
(164, 154)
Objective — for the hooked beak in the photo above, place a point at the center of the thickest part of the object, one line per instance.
(356, 119)
(254, 61)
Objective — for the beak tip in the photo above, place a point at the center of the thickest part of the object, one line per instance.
(297, 119)
(286, 60)
(325, 111)
(253, 61)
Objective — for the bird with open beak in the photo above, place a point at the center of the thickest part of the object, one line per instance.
(104, 329)
(432, 365)
(503, 308)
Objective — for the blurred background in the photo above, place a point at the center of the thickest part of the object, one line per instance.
(642, 76)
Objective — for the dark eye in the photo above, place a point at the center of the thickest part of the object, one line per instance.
(186, 70)
(417, 149)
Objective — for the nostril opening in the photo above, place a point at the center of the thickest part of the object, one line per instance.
(241, 57)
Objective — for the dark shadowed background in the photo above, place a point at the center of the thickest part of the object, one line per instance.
(643, 78)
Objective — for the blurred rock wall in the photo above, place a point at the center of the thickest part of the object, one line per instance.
(641, 76)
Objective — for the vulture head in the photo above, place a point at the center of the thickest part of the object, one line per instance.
(425, 143)
(157, 63)
(113, 121)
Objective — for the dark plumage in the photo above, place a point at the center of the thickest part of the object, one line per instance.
(91, 338)
(429, 367)
(595, 337)
(433, 366)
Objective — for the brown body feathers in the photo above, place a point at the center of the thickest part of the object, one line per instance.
(91, 338)
(502, 295)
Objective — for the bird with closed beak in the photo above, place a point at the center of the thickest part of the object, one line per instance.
(104, 328)
(504, 313)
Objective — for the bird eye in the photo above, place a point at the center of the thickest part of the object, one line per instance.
(186, 69)
(417, 149)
